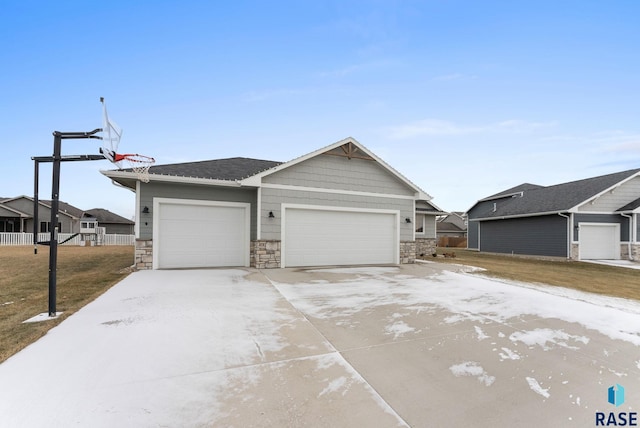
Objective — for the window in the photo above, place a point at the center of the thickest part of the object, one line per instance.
(420, 224)
(45, 227)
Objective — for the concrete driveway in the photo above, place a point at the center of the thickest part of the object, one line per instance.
(414, 345)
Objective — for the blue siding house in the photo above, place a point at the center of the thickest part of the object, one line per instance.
(594, 218)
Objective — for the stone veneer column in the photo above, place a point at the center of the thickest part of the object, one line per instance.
(143, 259)
(265, 254)
(407, 252)
(425, 247)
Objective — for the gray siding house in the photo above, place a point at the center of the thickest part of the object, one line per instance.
(16, 215)
(594, 218)
(339, 205)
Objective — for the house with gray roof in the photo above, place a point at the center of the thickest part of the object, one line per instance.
(17, 215)
(338, 205)
(594, 218)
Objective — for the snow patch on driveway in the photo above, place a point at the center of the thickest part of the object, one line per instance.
(543, 336)
(535, 387)
(472, 368)
(467, 298)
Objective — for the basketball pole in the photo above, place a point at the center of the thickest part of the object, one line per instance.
(55, 204)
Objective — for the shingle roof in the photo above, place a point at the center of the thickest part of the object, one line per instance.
(557, 198)
(448, 227)
(66, 208)
(217, 169)
(631, 205)
(106, 216)
(520, 188)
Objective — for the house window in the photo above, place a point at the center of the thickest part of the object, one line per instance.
(420, 224)
(7, 226)
(45, 227)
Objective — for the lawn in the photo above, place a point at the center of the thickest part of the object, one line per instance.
(593, 278)
(83, 274)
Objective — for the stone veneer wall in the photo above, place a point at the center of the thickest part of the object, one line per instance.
(575, 252)
(143, 258)
(265, 254)
(425, 246)
(407, 252)
(635, 252)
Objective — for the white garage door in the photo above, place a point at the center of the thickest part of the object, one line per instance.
(599, 241)
(323, 237)
(197, 234)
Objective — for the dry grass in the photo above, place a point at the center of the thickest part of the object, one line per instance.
(593, 278)
(83, 274)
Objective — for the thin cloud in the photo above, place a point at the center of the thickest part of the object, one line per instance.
(453, 76)
(259, 96)
(437, 127)
(357, 68)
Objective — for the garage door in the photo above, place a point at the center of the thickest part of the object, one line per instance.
(317, 237)
(599, 241)
(197, 234)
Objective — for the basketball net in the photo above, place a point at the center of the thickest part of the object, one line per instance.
(139, 164)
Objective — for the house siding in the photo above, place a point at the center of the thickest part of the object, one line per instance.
(272, 200)
(67, 224)
(341, 173)
(185, 191)
(601, 218)
(429, 227)
(472, 235)
(540, 235)
(613, 200)
(117, 228)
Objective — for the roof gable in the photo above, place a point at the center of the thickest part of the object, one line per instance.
(349, 148)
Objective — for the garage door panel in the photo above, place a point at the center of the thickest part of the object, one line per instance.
(201, 235)
(322, 237)
(599, 241)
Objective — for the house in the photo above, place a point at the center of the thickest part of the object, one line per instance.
(453, 224)
(111, 222)
(594, 218)
(16, 215)
(339, 205)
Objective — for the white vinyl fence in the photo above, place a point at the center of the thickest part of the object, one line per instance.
(18, 238)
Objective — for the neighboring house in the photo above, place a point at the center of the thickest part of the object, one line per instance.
(452, 225)
(339, 205)
(594, 218)
(16, 215)
(112, 223)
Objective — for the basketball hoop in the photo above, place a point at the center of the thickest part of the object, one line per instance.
(112, 133)
(139, 164)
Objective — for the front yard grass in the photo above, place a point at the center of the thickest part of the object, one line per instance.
(83, 274)
(593, 278)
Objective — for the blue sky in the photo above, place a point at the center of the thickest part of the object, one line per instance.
(465, 98)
